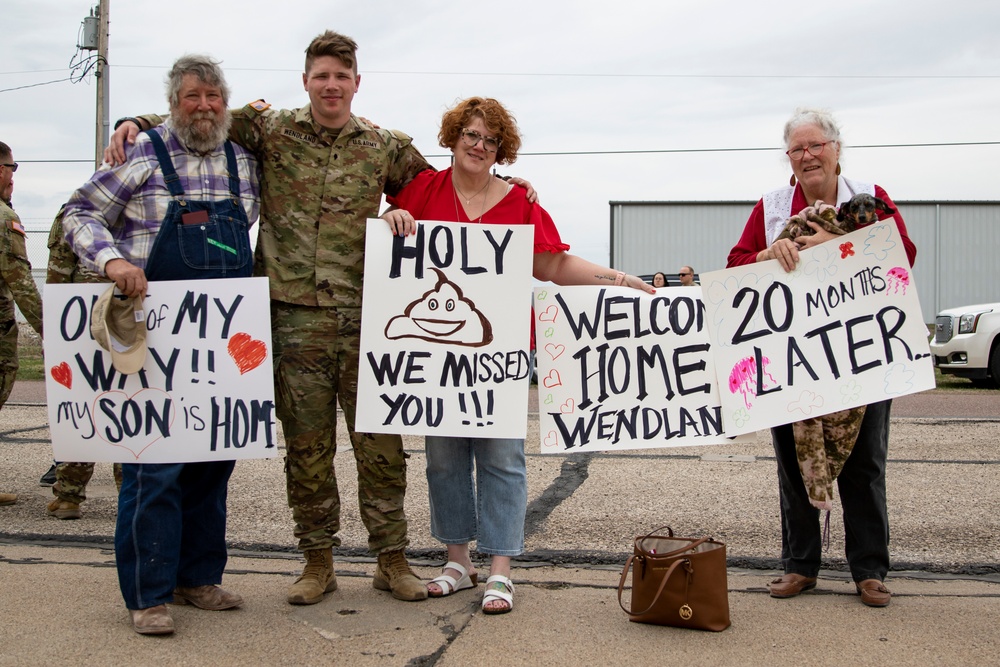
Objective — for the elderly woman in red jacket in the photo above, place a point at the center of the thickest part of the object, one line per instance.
(813, 143)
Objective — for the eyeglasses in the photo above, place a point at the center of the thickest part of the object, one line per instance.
(684, 274)
(814, 149)
(471, 138)
(12, 165)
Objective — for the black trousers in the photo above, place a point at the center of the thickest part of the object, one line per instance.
(861, 485)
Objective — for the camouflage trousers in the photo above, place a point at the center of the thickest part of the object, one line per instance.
(8, 358)
(316, 355)
(822, 445)
(72, 479)
(6, 384)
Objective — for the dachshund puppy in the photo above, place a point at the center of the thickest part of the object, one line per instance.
(862, 209)
(822, 214)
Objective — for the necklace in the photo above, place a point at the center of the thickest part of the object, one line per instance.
(468, 200)
(482, 212)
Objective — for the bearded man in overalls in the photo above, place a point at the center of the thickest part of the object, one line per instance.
(128, 223)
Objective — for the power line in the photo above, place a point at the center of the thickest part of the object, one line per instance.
(578, 75)
(654, 151)
(583, 75)
(35, 85)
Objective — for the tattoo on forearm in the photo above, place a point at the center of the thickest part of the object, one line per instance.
(608, 278)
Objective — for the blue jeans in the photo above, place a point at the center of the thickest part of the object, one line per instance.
(171, 529)
(487, 506)
(861, 485)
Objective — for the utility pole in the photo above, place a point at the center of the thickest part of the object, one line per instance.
(103, 84)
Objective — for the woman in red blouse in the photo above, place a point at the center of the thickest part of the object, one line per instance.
(490, 509)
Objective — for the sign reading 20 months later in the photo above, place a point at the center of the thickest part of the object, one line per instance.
(205, 393)
(844, 329)
(622, 369)
(445, 330)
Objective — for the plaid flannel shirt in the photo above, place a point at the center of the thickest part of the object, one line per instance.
(117, 213)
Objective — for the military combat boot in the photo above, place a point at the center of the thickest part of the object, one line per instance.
(317, 578)
(63, 509)
(394, 574)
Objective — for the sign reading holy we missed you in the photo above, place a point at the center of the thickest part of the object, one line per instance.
(842, 330)
(622, 369)
(205, 392)
(445, 330)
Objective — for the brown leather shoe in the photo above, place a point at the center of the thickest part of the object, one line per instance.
(153, 621)
(8, 498)
(790, 585)
(874, 593)
(211, 597)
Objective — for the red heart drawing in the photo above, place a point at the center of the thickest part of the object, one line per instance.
(552, 439)
(569, 407)
(549, 314)
(553, 379)
(554, 351)
(247, 352)
(62, 374)
(115, 413)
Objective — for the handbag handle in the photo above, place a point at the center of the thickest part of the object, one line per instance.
(687, 547)
(663, 584)
(670, 532)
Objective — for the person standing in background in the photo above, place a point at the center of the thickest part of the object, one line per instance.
(686, 275)
(71, 478)
(16, 284)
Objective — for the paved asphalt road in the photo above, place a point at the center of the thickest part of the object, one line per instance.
(59, 600)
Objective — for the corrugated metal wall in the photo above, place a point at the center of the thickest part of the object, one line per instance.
(957, 243)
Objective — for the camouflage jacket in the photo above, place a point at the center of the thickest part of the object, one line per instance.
(317, 191)
(64, 266)
(16, 283)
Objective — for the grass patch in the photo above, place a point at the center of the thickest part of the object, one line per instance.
(29, 355)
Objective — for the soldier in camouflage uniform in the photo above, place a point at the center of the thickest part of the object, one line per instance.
(70, 489)
(16, 284)
(324, 172)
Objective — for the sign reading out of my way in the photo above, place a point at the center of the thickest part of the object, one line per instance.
(205, 393)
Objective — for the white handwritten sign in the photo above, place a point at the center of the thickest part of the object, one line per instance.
(622, 369)
(445, 330)
(205, 393)
(842, 330)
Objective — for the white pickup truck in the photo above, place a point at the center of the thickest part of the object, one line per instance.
(966, 343)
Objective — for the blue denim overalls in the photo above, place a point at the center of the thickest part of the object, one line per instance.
(171, 527)
(215, 245)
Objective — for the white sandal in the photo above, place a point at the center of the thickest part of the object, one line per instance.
(449, 584)
(496, 592)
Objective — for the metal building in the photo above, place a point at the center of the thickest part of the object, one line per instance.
(957, 243)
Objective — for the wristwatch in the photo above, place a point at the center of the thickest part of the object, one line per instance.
(128, 119)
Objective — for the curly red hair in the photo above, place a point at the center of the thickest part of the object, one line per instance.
(500, 122)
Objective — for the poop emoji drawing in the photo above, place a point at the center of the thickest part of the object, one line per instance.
(442, 315)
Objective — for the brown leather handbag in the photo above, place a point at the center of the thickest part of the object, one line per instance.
(678, 581)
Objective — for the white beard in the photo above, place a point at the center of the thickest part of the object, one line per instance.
(196, 139)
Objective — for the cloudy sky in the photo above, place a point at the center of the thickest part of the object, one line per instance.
(625, 100)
